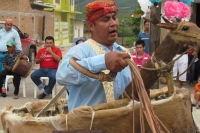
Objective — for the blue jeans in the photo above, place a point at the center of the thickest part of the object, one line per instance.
(44, 72)
(1, 65)
(191, 78)
(1, 59)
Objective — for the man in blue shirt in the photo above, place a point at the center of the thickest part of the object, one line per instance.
(144, 35)
(99, 53)
(8, 33)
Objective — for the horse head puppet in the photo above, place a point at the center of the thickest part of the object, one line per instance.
(180, 33)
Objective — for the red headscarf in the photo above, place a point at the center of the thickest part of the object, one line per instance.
(9, 21)
(99, 8)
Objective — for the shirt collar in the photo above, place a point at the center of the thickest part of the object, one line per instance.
(116, 47)
(140, 56)
(143, 32)
(7, 31)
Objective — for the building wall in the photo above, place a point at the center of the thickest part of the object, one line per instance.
(78, 30)
(64, 23)
(26, 18)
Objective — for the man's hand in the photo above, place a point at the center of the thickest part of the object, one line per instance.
(48, 49)
(20, 56)
(42, 56)
(115, 61)
(195, 52)
(9, 68)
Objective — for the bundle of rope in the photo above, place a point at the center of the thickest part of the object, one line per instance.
(145, 104)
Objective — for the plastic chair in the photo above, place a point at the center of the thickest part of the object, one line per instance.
(23, 83)
(22, 79)
(54, 90)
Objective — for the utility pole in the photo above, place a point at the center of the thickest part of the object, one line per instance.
(154, 38)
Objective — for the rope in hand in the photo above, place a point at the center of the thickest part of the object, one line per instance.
(145, 104)
(101, 76)
(170, 63)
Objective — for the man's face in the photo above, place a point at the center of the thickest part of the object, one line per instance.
(8, 26)
(140, 49)
(11, 49)
(105, 29)
(146, 26)
(49, 43)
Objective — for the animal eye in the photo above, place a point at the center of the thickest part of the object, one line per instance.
(185, 28)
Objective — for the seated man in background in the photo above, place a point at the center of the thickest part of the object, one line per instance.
(140, 57)
(48, 58)
(8, 63)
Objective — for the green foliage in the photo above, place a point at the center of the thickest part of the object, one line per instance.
(130, 41)
(136, 25)
(138, 10)
(132, 28)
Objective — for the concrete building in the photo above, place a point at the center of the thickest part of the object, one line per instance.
(37, 23)
(40, 18)
(78, 30)
(63, 21)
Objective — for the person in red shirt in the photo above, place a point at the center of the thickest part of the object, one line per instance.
(140, 57)
(197, 93)
(48, 58)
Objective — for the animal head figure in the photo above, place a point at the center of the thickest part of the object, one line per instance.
(180, 31)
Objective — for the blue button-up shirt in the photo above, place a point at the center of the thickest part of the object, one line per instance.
(8, 35)
(145, 37)
(84, 90)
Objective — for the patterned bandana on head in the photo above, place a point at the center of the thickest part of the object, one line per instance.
(99, 8)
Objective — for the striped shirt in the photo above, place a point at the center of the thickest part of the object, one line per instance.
(10, 60)
(140, 60)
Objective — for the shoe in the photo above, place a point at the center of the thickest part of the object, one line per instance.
(41, 96)
(16, 97)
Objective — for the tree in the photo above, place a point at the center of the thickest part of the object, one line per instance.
(134, 24)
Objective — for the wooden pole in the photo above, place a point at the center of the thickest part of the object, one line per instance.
(154, 39)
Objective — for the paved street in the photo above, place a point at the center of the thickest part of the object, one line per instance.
(30, 91)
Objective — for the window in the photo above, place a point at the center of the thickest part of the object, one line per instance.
(57, 1)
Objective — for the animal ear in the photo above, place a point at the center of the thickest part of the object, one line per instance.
(170, 26)
(178, 19)
(154, 18)
(165, 19)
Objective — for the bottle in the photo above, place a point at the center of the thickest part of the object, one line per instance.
(3, 90)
